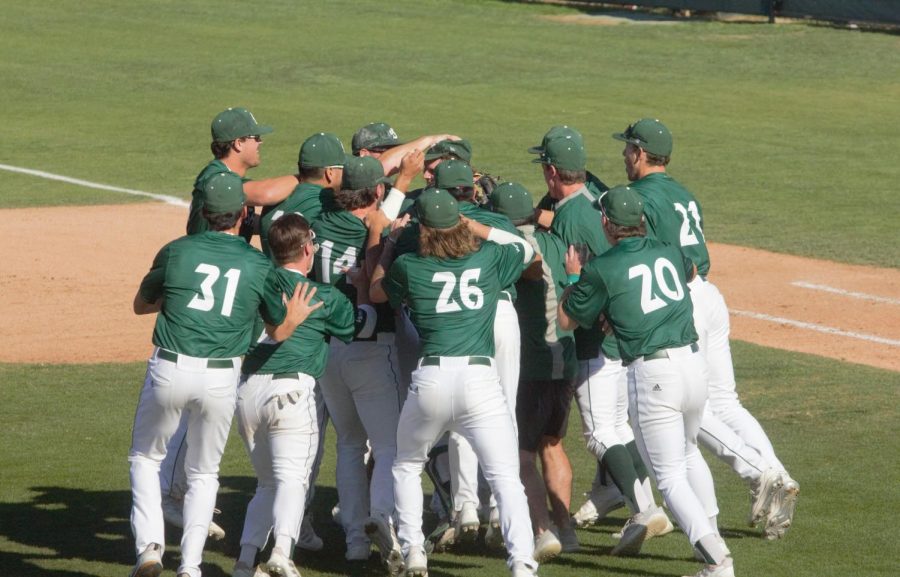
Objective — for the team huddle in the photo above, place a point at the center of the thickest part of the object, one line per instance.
(443, 330)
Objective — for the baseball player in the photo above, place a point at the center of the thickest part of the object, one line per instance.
(674, 216)
(640, 286)
(601, 386)
(276, 407)
(360, 384)
(208, 289)
(547, 377)
(451, 287)
(379, 140)
(457, 178)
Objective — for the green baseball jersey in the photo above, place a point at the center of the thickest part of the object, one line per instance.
(548, 352)
(307, 200)
(196, 223)
(453, 302)
(674, 216)
(213, 285)
(493, 220)
(594, 185)
(305, 351)
(577, 222)
(641, 286)
(342, 244)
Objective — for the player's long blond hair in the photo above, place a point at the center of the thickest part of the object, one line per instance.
(454, 242)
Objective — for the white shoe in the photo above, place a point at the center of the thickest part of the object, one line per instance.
(639, 528)
(308, 540)
(149, 562)
(382, 534)
(602, 500)
(762, 492)
(493, 536)
(568, 539)
(244, 570)
(416, 563)
(546, 547)
(725, 569)
(336, 515)
(173, 514)
(358, 552)
(520, 569)
(781, 513)
(281, 565)
(467, 524)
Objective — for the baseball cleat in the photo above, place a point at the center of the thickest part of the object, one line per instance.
(173, 515)
(149, 562)
(336, 515)
(244, 570)
(493, 536)
(724, 569)
(280, 565)
(416, 563)
(467, 524)
(781, 514)
(520, 569)
(602, 500)
(762, 492)
(442, 537)
(382, 534)
(308, 540)
(546, 547)
(358, 552)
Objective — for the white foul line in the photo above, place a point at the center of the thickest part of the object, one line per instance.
(819, 328)
(49, 175)
(837, 291)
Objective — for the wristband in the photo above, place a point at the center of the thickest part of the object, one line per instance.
(573, 277)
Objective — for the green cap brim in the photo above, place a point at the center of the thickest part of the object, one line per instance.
(536, 150)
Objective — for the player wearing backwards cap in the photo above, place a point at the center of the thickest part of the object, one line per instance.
(451, 288)
(236, 140)
(640, 286)
(457, 178)
(601, 383)
(674, 216)
(547, 377)
(360, 384)
(208, 289)
(277, 410)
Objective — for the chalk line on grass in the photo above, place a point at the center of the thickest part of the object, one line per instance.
(818, 328)
(77, 181)
(846, 293)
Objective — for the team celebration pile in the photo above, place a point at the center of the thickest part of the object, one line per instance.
(442, 330)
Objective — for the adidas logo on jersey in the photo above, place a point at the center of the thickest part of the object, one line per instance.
(657, 388)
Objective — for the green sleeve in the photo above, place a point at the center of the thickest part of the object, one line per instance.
(588, 298)
(341, 316)
(394, 283)
(510, 263)
(152, 285)
(271, 306)
(688, 267)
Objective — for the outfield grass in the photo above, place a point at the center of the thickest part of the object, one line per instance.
(784, 132)
(64, 496)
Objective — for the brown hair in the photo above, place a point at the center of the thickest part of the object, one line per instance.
(618, 232)
(571, 176)
(454, 242)
(220, 149)
(462, 192)
(222, 221)
(353, 199)
(656, 160)
(287, 237)
(311, 172)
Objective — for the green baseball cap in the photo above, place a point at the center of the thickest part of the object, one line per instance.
(363, 172)
(513, 200)
(649, 134)
(437, 208)
(623, 206)
(447, 149)
(454, 173)
(563, 147)
(322, 150)
(374, 135)
(223, 193)
(234, 123)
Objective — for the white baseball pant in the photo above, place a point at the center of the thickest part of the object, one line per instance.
(465, 398)
(363, 397)
(507, 350)
(172, 479)
(278, 421)
(170, 388)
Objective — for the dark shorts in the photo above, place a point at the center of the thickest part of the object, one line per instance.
(542, 410)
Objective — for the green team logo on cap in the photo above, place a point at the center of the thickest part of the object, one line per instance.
(234, 123)
(449, 149)
(649, 134)
(374, 135)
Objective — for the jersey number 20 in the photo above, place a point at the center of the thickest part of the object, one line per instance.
(650, 299)
(470, 295)
(206, 300)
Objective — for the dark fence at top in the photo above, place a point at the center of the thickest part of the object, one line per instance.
(887, 11)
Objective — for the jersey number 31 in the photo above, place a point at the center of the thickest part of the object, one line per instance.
(206, 300)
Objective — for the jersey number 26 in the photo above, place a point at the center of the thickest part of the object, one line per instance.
(470, 295)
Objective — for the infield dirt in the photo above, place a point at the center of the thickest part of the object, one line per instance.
(71, 273)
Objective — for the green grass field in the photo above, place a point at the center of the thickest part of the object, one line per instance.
(786, 134)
